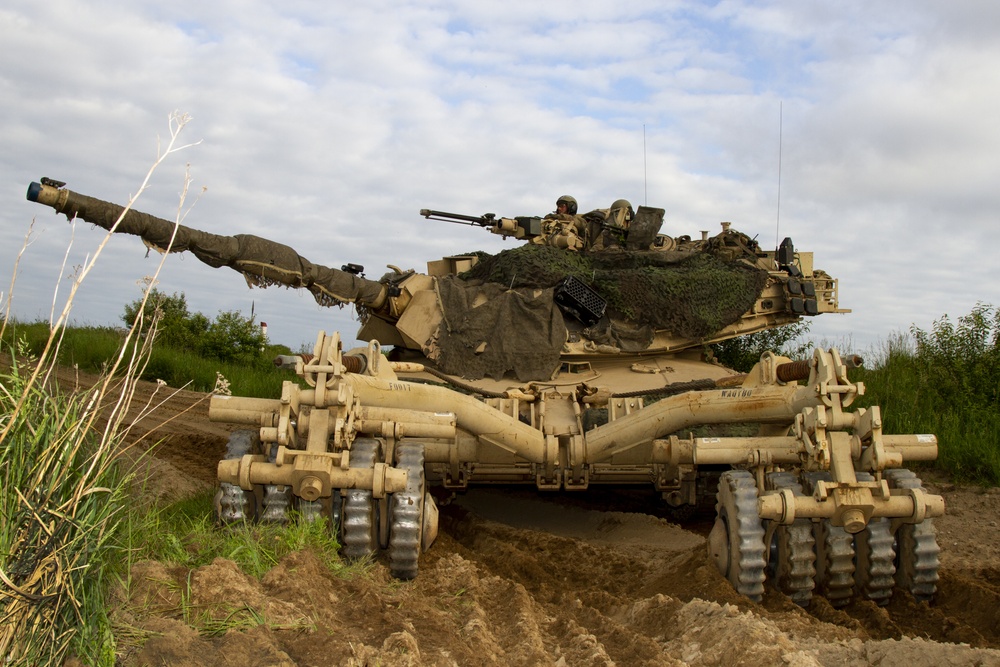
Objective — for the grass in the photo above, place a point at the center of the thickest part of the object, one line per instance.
(61, 506)
(184, 533)
(91, 349)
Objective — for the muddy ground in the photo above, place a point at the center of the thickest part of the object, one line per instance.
(521, 578)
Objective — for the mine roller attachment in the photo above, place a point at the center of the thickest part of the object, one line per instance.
(827, 509)
(320, 453)
(800, 556)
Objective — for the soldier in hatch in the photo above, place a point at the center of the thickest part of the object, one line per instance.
(608, 227)
(564, 228)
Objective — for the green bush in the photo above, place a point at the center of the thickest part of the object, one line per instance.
(944, 381)
(961, 360)
(229, 337)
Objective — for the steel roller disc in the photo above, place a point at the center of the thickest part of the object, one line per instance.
(793, 557)
(359, 527)
(917, 550)
(874, 558)
(277, 499)
(834, 554)
(736, 542)
(233, 504)
(406, 513)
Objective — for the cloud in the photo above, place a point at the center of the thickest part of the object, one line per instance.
(328, 127)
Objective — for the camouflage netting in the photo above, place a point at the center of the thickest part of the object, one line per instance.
(518, 327)
(262, 262)
(689, 294)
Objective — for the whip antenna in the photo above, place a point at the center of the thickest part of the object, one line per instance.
(645, 187)
(777, 221)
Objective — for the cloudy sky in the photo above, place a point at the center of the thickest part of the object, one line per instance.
(329, 125)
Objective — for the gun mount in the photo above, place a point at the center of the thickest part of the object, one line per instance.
(565, 366)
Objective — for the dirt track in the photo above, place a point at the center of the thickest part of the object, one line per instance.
(518, 578)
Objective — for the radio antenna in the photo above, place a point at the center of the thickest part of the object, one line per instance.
(777, 221)
(645, 187)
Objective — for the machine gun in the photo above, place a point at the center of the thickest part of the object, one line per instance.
(484, 220)
(521, 227)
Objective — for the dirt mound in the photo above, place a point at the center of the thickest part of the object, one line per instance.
(599, 589)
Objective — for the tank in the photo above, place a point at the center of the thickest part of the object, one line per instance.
(576, 358)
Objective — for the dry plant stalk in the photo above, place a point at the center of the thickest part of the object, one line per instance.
(58, 501)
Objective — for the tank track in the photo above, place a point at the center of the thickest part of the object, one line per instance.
(917, 549)
(406, 514)
(359, 526)
(736, 542)
(793, 556)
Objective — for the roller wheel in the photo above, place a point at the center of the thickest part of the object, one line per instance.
(834, 555)
(277, 500)
(916, 546)
(324, 508)
(233, 504)
(311, 510)
(736, 542)
(792, 563)
(359, 529)
(874, 559)
(406, 513)
(834, 562)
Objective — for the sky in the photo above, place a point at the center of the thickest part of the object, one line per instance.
(865, 131)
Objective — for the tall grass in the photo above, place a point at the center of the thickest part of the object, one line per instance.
(62, 495)
(60, 508)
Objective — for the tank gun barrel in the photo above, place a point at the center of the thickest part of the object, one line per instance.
(261, 261)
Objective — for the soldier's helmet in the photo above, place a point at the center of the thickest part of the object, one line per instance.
(623, 204)
(570, 202)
